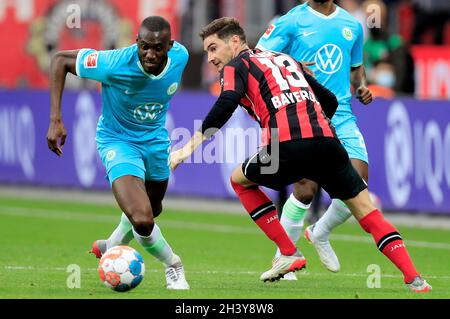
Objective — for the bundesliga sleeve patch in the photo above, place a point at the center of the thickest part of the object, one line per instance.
(228, 79)
(91, 60)
(269, 31)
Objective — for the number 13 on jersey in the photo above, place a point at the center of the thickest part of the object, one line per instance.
(294, 77)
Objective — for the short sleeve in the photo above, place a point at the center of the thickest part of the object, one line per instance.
(180, 53)
(234, 77)
(278, 36)
(358, 47)
(96, 65)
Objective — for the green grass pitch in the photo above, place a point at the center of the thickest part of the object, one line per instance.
(223, 254)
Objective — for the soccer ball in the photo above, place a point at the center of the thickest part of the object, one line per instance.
(121, 268)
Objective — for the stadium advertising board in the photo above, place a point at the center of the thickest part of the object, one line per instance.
(408, 143)
(432, 71)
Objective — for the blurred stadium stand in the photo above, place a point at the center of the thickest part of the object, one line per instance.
(35, 29)
(407, 59)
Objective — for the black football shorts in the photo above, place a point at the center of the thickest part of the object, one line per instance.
(323, 160)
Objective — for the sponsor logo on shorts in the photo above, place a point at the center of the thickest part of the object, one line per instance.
(110, 155)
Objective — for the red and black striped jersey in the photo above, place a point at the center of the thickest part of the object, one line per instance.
(272, 88)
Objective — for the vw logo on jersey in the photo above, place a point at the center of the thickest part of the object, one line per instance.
(148, 111)
(329, 58)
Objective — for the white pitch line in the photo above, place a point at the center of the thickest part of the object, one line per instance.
(216, 272)
(220, 228)
(412, 243)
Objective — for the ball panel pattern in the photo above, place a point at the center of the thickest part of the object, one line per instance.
(121, 268)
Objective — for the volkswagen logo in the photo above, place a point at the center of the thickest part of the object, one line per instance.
(147, 112)
(329, 58)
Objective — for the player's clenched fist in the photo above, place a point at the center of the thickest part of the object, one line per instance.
(364, 95)
(56, 132)
(305, 67)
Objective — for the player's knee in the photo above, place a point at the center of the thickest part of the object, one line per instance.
(360, 206)
(239, 188)
(362, 168)
(143, 222)
(157, 209)
(236, 186)
(365, 177)
(144, 227)
(305, 192)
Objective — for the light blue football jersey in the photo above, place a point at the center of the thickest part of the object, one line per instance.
(135, 103)
(334, 43)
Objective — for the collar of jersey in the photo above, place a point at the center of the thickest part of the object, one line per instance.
(155, 77)
(320, 15)
(243, 51)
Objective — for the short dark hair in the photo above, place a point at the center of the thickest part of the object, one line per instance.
(224, 28)
(155, 24)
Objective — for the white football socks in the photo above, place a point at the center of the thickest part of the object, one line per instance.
(336, 214)
(122, 235)
(292, 219)
(156, 245)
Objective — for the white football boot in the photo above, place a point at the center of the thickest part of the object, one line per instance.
(282, 265)
(324, 250)
(419, 285)
(175, 277)
(290, 276)
(99, 247)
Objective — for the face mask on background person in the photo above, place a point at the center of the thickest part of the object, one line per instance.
(385, 78)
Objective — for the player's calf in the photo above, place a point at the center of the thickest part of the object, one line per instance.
(264, 214)
(390, 243)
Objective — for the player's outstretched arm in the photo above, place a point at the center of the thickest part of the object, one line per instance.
(62, 63)
(179, 156)
(359, 82)
(219, 114)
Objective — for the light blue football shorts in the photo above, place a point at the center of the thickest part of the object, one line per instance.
(351, 138)
(148, 161)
